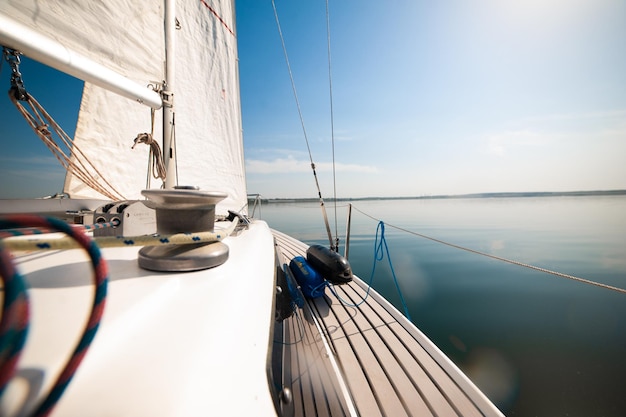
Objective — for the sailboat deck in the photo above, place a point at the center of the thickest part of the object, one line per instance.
(368, 360)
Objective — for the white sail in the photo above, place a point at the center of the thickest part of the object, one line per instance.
(122, 35)
(208, 114)
(127, 37)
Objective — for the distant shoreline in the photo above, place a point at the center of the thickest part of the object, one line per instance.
(444, 196)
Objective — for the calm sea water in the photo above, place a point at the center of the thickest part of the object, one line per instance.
(536, 344)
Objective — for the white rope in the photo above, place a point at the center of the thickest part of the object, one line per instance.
(21, 244)
(158, 167)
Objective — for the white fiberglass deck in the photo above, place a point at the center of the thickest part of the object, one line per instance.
(170, 344)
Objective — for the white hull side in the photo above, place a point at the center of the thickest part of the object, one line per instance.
(170, 344)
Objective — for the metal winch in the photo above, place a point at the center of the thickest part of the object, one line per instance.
(186, 210)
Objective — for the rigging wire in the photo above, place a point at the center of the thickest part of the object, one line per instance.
(306, 139)
(499, 258)
(174, 147)
(75, 160)
(72, 158)
(332, 121)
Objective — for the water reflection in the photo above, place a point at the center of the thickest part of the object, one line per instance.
(538, 345)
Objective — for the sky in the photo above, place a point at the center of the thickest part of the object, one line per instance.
(428, 98)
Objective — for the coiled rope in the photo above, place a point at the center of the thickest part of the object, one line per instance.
(155, 156)
(158, 167)
(15, 317)
(120, 241)
(380, 248)
(378, 256)
(499, 258)
(95, 316)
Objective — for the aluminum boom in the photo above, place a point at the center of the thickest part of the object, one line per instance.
(52, 53)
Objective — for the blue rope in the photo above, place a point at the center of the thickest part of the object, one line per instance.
(378, 256)
(331, 287)
(318, 291)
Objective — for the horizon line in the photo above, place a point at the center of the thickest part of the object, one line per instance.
(442, 196)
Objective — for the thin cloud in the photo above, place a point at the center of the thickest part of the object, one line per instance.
(343, 135)
(30, 160)
(557, 127)
(510, 141)
(498, 144)
(292, 165)
(281, 152)
(34, 167)
(616, 114)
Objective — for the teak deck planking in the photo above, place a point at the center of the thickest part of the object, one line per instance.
(388, 366)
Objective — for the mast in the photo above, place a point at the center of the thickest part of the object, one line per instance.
(169, 144)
